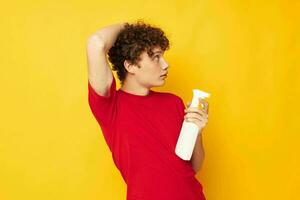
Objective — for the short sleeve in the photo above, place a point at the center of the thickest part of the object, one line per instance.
(103, 107)
(180, 106)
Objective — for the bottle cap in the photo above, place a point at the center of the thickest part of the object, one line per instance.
(196, 95)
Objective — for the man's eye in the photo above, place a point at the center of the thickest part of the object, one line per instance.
(156, 56)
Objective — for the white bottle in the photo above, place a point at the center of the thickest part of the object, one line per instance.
(189, 130)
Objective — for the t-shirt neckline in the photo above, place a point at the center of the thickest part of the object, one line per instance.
(135, 96)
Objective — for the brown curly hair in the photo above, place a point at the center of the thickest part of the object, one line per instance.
(132, 41)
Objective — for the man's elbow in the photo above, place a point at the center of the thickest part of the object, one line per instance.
(197, 166)
(95, 41)
(197, 169)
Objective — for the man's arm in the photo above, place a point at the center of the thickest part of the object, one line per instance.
(99, 73)
(198, 154)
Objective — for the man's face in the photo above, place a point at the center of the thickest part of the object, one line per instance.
(152, 68)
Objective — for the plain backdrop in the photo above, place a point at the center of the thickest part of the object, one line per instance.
(245, 53)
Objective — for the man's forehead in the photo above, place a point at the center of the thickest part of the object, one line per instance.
(154, 50)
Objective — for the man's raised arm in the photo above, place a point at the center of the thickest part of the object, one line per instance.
(99, 73)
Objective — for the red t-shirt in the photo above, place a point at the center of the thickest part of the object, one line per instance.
(141, 133)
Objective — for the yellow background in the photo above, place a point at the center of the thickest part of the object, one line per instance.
(245, 53)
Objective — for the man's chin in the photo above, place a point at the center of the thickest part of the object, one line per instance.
(162, 83)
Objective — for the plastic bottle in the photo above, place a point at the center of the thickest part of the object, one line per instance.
(189, 130)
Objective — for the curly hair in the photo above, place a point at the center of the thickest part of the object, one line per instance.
(131, 42)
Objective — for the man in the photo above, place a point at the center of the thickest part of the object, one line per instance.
(140, 126)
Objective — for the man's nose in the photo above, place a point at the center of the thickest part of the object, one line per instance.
(165, 64)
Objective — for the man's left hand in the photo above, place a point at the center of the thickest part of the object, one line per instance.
(196, 115)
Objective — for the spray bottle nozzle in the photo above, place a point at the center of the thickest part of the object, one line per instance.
(200, 94)
(196, 95)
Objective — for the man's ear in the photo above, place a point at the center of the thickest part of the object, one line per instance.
(131, 68)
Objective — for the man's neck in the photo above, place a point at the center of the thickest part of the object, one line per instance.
(132, 87)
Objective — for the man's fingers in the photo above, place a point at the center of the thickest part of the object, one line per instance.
(196, 110)
(196, 115)
(199, 123)
(203, 103)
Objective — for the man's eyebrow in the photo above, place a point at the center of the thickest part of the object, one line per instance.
(157, 52)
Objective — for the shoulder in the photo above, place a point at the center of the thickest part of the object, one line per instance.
(172, 101)
(170, 97)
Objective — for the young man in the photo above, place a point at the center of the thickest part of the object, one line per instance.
(140, 126)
